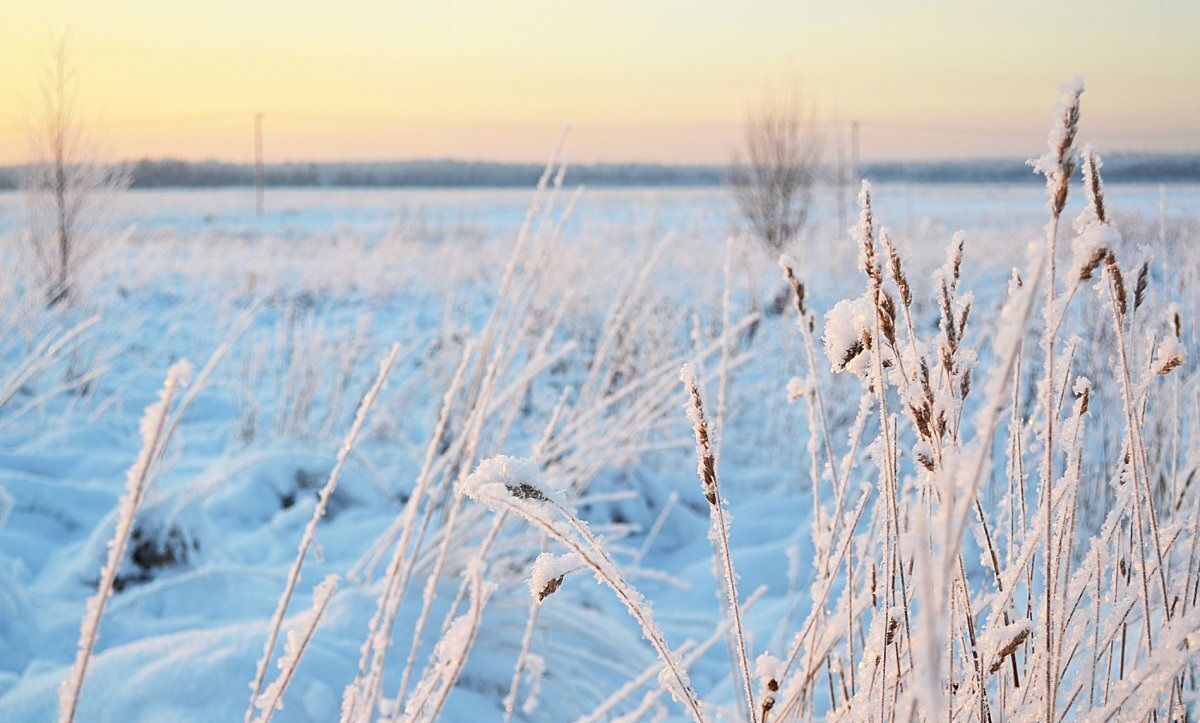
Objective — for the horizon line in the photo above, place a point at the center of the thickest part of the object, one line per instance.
(697, 165)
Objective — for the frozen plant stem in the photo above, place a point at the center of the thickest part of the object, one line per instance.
(310, 529)
(1057, 166)
(272, 698)
(137, 479)
(707, 469)
(504, 483)
(363, 692)
(449, 526)
(514, 687)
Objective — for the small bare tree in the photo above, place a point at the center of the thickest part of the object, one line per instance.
(773, 176)
(68, 186)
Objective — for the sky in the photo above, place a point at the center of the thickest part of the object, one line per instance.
(638, 80)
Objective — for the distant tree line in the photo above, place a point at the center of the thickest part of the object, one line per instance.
(1127, 168)
(173, 173)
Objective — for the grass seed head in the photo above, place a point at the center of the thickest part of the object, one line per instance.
(1118, 284)
(1139, 288)
(1092, 184)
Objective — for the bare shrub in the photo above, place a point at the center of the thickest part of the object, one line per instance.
(68, 185)
(773, 176)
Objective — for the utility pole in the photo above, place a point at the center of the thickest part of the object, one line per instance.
(854, 150)
(843, 176)
(258, 164)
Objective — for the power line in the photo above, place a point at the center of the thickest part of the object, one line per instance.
(177, 121)
(520, 127)
(144, 123)
(392, 122)
(258, 164)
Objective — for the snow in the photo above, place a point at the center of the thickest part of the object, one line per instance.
(548, 573)
(848, 329)
(1088, 247)
(1171, 353)
(324, 284)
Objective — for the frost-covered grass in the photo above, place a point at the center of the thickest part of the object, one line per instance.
(527, 524)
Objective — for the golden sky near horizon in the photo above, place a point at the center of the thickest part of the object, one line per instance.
(645, 81)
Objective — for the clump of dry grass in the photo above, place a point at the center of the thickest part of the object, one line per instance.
(900, 627)
(953, 573)
(306, 539)
(512, 486)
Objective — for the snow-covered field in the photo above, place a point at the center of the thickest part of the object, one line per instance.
(569, 356)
